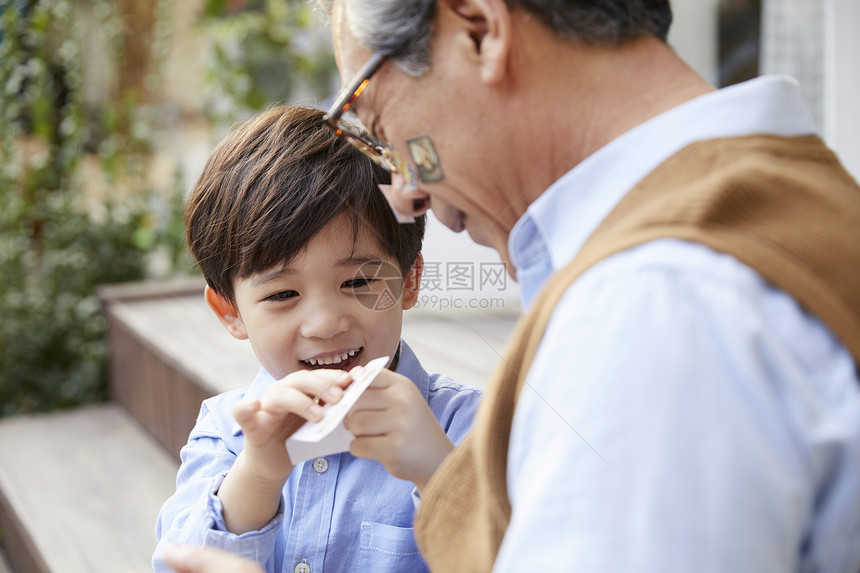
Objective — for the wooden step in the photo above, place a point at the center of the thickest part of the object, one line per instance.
(80, 491)
(168, 354)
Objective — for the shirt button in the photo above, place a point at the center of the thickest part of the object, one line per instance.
(302, 568)
(320, 465)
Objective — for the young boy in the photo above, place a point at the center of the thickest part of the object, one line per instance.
(303, 257)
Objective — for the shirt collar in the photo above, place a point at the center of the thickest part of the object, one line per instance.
(558, 222)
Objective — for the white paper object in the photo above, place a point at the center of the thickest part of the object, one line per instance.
(329, 436)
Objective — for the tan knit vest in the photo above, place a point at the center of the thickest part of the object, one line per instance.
(783, 206)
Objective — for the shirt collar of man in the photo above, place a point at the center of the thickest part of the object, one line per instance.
(556, 225)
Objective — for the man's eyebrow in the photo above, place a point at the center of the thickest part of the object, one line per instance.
(272, 274)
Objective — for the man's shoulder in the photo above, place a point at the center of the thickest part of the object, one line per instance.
(689, 285)
(674, 260)
(667, 280)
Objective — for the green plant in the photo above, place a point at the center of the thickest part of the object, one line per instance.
(54, 249)
(265, 51)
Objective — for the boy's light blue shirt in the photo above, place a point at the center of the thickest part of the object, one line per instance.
(338, 513)
(681, 414)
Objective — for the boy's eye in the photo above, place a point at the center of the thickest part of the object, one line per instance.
(357, 282)
(281, 296)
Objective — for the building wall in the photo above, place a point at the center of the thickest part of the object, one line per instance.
(842, 80)
(816, 41)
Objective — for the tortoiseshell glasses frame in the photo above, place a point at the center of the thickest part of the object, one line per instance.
(381, 153)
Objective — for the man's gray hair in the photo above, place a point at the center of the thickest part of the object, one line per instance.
(401, 29)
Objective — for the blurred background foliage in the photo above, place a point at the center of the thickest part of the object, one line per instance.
(79, 206)
(54, 250)
(264, 52)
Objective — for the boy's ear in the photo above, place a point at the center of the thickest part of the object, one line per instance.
(412, 282)
(226, 312)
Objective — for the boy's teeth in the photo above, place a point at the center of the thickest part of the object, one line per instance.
(332, 359)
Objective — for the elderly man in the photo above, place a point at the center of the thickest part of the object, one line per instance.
(683, 392)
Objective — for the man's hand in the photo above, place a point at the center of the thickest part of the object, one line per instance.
(392, 423)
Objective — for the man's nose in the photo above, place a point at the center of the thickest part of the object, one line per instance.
(406, 200)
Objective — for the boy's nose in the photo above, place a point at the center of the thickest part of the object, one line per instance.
(406, 199)
(323, 321)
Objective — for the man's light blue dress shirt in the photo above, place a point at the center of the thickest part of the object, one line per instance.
(338, 513)
(681, 414)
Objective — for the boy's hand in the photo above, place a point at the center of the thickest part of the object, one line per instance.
(251, 491)
(392, 423)
(282, 409)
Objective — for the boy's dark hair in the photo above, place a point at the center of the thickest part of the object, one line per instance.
(275, 182)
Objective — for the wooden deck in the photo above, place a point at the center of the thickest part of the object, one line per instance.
(80, 491)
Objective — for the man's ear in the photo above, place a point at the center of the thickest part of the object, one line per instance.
(488, 23)
(412, 282)
(226, 312)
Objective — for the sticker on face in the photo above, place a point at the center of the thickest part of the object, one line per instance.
(425, 158)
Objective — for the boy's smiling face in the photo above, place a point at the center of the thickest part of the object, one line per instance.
(314, 311)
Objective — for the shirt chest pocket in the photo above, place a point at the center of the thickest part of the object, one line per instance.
(388, 548)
